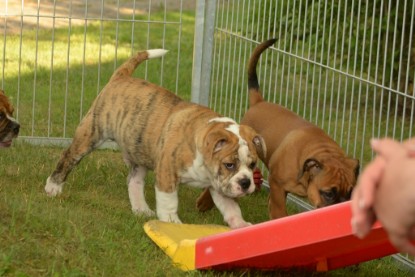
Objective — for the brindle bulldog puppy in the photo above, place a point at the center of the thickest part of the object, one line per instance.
(181, 141)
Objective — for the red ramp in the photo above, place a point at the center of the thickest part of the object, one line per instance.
(318, 240)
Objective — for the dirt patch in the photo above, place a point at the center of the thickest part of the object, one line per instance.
(13, 15)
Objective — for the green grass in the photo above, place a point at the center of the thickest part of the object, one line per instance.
(90, 230)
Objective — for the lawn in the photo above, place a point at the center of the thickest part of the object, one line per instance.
(90, 230)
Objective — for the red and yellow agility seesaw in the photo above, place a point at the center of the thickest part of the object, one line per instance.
(317, 240)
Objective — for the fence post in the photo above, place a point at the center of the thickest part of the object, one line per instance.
(202, 51)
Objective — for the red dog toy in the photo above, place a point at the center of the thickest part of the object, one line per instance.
(258, 179)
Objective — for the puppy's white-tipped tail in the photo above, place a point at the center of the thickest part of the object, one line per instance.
(127, 68)
(156, 53)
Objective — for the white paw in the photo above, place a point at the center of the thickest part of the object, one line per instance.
(236, 223)
(166, 206)
(53, 189)
(144, 212)
(174, 218)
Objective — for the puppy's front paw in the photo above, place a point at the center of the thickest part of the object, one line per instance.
(144, 212)
(174, 218)
(53, 189)
(236, 223)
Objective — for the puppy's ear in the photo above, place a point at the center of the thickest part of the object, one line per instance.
(260, 146)
(311, 168)
(312, 164)
(219, 145)
(215, 141)
(250, 135)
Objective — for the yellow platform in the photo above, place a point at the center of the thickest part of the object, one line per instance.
(178, 240)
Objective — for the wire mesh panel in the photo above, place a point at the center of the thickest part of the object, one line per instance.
(56, 56)
(347, 66)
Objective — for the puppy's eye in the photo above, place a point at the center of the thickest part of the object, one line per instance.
(252, 165)
(329, 195)
(230, 166)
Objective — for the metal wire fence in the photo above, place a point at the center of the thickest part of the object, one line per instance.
(347, 66)
(333, 63)
(56, 56)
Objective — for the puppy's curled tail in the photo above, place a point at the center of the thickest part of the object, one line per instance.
(128, 67)
(253, 84)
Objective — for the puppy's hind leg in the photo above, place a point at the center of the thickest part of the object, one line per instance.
(136, 191)
(204, 202)
(84, 141)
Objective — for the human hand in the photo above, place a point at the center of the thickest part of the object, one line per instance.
(386, 189)
(394, 202)
(363, 197)
(410, 146)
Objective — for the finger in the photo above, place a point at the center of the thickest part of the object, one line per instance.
(387, 148)
(403, 244)
(362, 223)
(409, 145)
(363, 196)
(364, 193)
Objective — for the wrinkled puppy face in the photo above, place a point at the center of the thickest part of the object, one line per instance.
(231, 155)
(9, 127)
(332, 182)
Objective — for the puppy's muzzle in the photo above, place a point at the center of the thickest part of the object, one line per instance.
(10, 132)
(245, 183)
(14, 127)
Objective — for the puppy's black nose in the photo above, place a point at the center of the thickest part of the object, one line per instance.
(245, 183)
(16, 129)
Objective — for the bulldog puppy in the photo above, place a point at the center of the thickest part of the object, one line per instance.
(181, 141)
(301, 158)
(9, 127)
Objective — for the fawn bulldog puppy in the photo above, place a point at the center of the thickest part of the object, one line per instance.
(181, 141)
(9, 127)
(301, 158)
